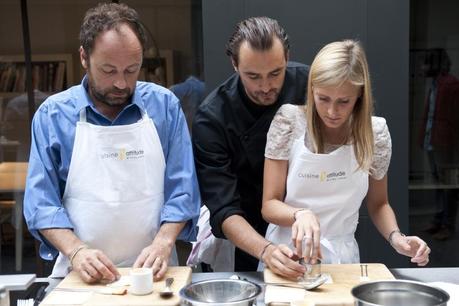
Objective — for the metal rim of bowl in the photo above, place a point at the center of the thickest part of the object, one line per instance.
(257, 293)
(397, 281)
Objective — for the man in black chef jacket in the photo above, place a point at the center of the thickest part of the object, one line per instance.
(229, 135)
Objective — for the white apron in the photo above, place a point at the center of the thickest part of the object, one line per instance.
(115, 189)
(216, 252)
(331, 187)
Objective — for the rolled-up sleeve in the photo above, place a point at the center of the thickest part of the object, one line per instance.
(43, 208)
(182, 201)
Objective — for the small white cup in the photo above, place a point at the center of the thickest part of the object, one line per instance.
(141, 281)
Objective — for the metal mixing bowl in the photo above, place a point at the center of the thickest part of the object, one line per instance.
(220, 292)
(398, 293)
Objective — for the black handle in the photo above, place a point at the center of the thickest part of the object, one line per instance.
(40, 295)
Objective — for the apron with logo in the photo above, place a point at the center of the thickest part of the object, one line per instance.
(115, 189)
(331, 186)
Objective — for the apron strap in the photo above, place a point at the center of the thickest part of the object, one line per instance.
(83, 114)
(144, 115)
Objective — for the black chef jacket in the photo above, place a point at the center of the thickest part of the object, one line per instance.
(229, 144)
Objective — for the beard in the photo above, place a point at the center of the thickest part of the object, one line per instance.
(268, 98)
(111, 96)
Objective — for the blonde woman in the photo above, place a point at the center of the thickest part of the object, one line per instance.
(322, 161)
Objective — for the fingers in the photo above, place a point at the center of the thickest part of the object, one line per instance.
(150, 259)
(308, 248)
(91, 271)
(319, 253)
(422, 247)
(294, 234)
(280, 262)
(316, 245)
(93, 266)
(298, 242)
(161, 272)
(107, 268)
(140, 260)
(306, 235)
(86, 277)
(422, 263)
(156, 267)
(423, 258)
(422, 251)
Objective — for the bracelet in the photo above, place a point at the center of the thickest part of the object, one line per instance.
(297, 211)
(392, 234)
(264, 250)
(75, 251)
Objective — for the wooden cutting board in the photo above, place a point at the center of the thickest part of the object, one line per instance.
(181, 275)
(336, 293)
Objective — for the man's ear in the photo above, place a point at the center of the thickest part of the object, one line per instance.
(233, 62)
(287, 55)
(84, 58)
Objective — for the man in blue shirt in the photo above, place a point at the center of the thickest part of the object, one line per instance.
(111, 177)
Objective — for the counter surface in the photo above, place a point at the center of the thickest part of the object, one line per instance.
(417, 274)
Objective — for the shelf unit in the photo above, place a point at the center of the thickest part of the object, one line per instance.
(159, 70)
(50, 73)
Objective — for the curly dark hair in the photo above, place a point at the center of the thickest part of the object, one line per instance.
(108, 16)
(259, 32)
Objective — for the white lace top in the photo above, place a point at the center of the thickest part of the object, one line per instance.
(289, 124)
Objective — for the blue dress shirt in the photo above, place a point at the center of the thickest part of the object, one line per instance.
(53, 135)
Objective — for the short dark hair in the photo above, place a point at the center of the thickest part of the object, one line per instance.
(259, 32)
(108, 16)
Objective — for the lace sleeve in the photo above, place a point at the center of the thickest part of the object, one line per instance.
(383, 148)
(280, 134)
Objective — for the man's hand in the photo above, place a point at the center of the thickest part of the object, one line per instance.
(279, 258)
(155, 256)
(94, 266)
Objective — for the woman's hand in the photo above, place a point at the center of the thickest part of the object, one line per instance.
(278, 258)
(306, 235)
(411, 246)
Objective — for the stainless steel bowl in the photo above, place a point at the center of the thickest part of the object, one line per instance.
(220, 292)
(398, 293)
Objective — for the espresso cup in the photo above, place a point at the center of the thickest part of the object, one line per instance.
(141, 281)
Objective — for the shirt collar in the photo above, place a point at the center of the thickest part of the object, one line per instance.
(84, 100)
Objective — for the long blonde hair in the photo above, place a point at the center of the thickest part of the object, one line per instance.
(335, 64)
